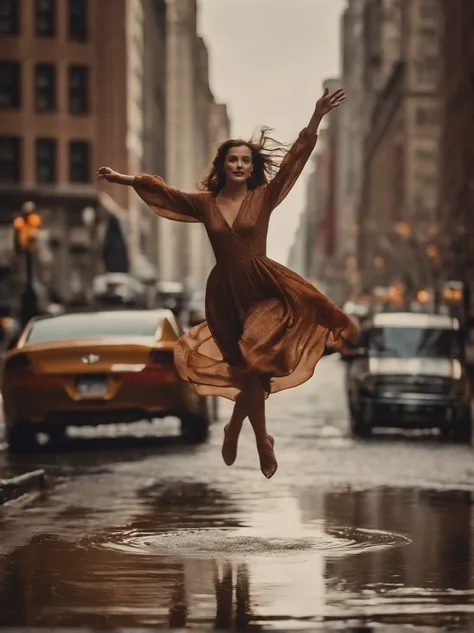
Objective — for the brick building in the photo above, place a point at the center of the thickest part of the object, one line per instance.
(72, 99)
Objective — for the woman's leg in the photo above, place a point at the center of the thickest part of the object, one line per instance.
(251, 403)
(233, 428)
(255, 398)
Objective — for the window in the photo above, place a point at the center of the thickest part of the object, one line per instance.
(9, 84)
(9, 17)
(45, 87)
(79, 156)
(426, 116)
(78, 89)
(45, 18)
(428, 69)
(99, 324)
(77, 20)
(45, 161)
(428, 8)
(10, 149)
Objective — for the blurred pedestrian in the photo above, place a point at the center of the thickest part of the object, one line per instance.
(266, 327)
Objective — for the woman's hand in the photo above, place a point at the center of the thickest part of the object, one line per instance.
(106, 173)
(328, 102)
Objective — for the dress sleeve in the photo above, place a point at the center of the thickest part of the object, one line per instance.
(168, 202)
(291, 167)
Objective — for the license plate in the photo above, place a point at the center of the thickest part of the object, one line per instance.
(91, 387)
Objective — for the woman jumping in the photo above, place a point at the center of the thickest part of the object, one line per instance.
(266, 326)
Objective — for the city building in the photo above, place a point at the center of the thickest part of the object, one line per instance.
(71, 99)
(351, 133)
(456, 167)
(185, 255)
(331, 223)
(154, 132)
(399, 201)
(311, 247)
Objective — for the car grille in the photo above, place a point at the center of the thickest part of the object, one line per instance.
(423, 384)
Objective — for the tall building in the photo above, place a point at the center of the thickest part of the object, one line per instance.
(71, 99)
(456, 172)
(333, 223)
(154, 120)
(381, 28)
(185, 254)
(351, 133)
(310, 250)
(401, 144)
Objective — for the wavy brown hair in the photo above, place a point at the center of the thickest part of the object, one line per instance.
(267, 154)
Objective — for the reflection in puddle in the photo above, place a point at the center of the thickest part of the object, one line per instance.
(187, 557)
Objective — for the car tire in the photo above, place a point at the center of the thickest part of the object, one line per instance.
(194, 428)
(360, 427)
(461, 429)
(21, 438)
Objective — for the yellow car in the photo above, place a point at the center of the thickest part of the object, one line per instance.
(96, 368)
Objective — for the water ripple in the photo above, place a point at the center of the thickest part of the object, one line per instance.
(338, 541)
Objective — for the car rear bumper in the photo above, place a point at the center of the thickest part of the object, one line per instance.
(128, 404)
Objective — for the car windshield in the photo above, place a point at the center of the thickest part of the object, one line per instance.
(413, 342)
(100, 324)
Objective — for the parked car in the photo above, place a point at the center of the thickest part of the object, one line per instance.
(96, 368)
(120, 290)
(409, 371)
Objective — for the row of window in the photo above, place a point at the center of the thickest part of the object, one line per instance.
(45, 77)
(45, 18)
(45, 159)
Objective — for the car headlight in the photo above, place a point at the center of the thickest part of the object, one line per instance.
(456, 370)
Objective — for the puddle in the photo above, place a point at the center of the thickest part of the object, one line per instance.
(334, 542)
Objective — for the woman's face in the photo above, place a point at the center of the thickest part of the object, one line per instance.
(238, 165)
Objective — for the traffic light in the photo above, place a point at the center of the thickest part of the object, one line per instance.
(26, 227)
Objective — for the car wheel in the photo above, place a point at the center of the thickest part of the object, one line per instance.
(194, 428)
(461, 429)
(360, 427)
(21, 438)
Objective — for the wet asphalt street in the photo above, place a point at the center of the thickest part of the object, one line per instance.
(149, 532)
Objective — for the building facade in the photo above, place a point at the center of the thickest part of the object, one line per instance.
(351, 133)
(399, 199)
(194, 123)
(154, 120)
(71, 99)
(456, 172)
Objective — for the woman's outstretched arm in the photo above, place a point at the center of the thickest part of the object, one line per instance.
(167, 202)
(297, 156)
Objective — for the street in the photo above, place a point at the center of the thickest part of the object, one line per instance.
(137, 532)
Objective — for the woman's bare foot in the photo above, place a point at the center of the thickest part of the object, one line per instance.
(268, 462)
(229, 445)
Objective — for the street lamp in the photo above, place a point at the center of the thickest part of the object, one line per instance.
(26, 228)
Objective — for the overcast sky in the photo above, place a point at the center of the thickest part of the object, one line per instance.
(268, 59)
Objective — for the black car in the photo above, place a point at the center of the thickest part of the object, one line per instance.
(409, 372)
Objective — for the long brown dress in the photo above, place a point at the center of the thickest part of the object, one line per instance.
(262, 318)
